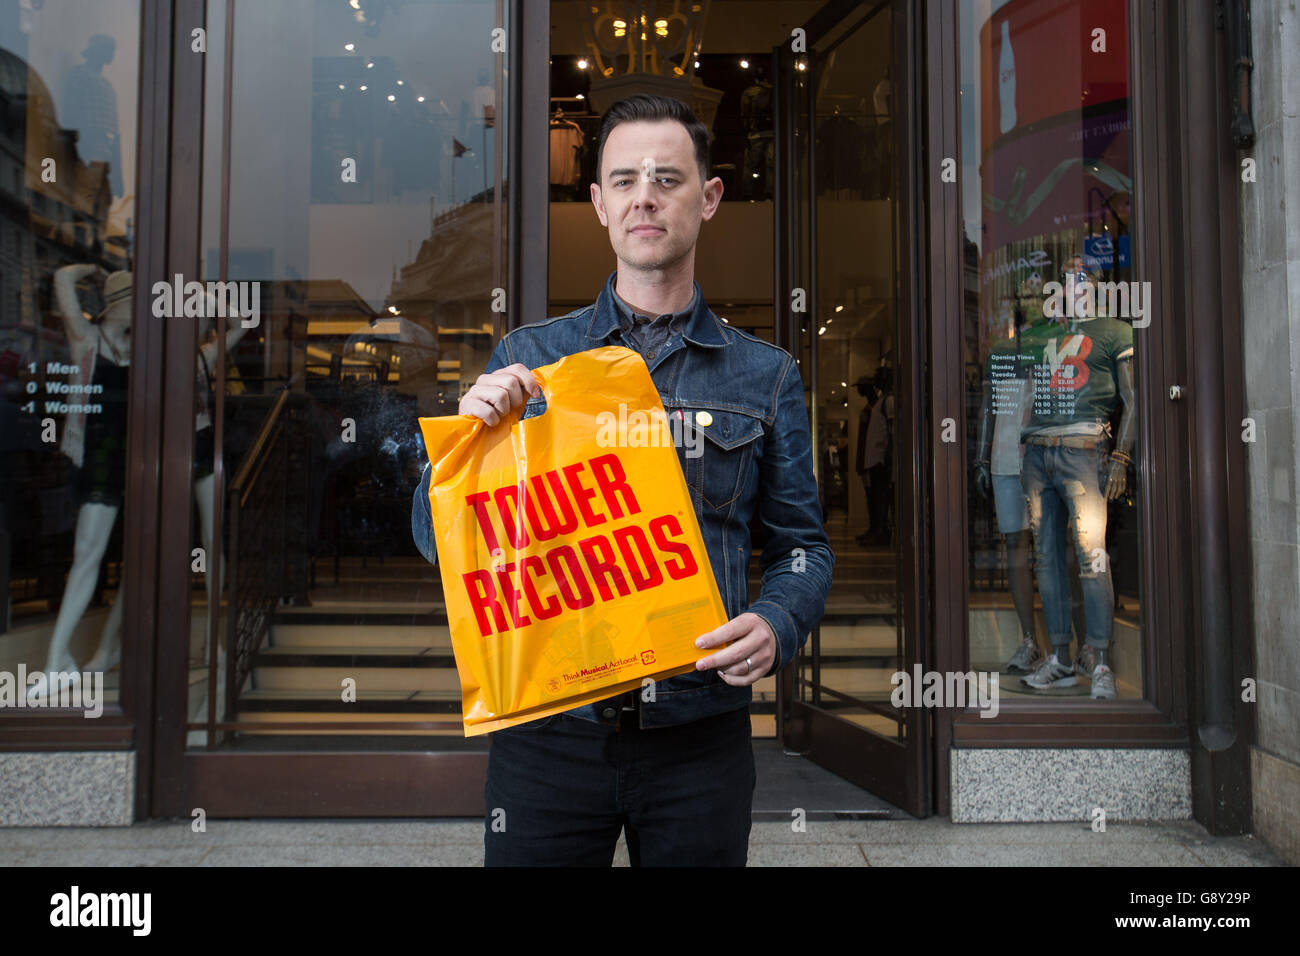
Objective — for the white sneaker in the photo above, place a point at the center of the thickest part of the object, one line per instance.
(1051, 673)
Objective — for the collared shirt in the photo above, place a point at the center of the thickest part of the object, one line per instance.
(649, 335)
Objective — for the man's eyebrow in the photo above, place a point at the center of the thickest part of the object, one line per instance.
(628, 171)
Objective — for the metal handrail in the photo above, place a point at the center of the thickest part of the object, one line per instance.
(254, 596)
(257, 452)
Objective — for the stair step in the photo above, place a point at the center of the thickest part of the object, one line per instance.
(328, 681)
(414, 637)
(364, 614)
(311, 702)
(309, 655)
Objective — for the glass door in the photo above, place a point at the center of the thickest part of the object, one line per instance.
(354, 210)
(845, 229)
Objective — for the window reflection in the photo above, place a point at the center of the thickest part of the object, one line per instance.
(68, 79)
(366, 200)
(743, 147)
(1051, 308)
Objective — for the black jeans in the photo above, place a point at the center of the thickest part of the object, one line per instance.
(879, 498)
(560, 789)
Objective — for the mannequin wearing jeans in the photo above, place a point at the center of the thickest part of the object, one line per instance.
(1083, 368)
(1005, 408)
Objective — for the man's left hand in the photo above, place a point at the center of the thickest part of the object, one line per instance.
(751, 638)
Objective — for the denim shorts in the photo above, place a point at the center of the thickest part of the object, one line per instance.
(1009, 502)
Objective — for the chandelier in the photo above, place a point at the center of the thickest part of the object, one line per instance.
(647, 46)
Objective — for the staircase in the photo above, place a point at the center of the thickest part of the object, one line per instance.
(396, 650)
(396, 655)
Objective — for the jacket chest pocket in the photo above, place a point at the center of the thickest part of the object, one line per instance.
(720, 450)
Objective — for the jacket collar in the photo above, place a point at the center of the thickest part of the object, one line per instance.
(703, 328)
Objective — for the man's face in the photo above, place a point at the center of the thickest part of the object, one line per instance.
(650, 196)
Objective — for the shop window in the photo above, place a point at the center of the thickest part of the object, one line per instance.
(367, 224)
(1052, 320)
(68, 92)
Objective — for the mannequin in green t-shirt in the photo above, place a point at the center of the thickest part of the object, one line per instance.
(1081, 369)
(1005, 408)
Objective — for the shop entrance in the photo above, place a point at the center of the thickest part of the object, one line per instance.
(844, 224)
(307, 670)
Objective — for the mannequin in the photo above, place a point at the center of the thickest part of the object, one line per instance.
(1005, 408)
(109, 652)
(96, 445)
(1082, 369)
(875, 454)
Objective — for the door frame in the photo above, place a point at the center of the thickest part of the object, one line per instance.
(1191, 609)
(898, 772)
(440, 781)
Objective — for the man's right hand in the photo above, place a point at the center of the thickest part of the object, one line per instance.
(498, 393)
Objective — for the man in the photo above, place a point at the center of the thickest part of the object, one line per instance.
(674, 764)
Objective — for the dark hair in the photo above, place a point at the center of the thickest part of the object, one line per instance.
(648, 108)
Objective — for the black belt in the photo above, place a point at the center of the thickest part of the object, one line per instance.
(622, 712)
(1069, 441)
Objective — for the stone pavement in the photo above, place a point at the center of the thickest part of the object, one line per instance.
(931, 842)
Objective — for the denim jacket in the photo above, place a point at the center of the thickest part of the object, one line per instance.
(757, 458)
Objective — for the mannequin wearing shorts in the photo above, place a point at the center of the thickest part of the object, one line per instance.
(97, 448)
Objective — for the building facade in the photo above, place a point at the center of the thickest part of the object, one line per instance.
(1033, 257)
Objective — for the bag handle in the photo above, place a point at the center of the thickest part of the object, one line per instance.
(449, 440)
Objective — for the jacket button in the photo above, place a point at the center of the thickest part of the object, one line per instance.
(650, 355)
(609, 713)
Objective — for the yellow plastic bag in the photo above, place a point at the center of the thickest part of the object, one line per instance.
(572, 563)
